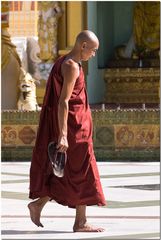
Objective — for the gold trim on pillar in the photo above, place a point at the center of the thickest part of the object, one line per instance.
(73, 21)
(62, 28)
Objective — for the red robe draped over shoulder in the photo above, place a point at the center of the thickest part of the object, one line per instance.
(81, 182)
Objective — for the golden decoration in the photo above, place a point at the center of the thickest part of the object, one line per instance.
(5, 12)
(132, 85)
(147, 25)
(49, 12)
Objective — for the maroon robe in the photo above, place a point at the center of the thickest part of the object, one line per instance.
(81, 182)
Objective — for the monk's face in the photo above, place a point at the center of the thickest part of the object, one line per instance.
(88, 50)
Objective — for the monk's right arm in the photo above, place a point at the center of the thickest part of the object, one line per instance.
(70, 72)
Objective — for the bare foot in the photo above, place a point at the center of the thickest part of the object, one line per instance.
(35, 211)
(87, 228)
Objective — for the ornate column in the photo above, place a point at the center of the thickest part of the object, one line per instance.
(49, 13)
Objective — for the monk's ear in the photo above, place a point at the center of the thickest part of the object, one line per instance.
(84, 44)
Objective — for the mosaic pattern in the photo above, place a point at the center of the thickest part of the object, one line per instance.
(9, 136)
(104, 136)
(137, 136)
(132, 85)
(27, 135)
(118, 134)
(18, 135)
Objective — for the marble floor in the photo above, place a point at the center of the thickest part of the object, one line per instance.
(132, 211)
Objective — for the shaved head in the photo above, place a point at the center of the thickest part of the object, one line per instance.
(85, 47)
(86, 36)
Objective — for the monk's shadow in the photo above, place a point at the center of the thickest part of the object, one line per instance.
(16, 232)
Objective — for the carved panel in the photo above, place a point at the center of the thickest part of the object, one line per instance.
(118, 134)
(137, 136)
(104, 136)
(9, 135)
(132, 85)
(27, 135)
(18, 135)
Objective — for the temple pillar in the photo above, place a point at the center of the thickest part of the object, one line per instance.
(72, 22)
(49, 14)
(74, 11)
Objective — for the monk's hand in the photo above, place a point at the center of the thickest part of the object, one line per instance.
(62, 145)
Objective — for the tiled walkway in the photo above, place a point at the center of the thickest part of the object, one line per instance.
(132, 211)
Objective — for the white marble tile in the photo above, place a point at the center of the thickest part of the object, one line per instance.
(17, 187)
(126, 181)
(58, 220)
(19, 207)
(126, 168)
(62, 228)
(5, 177)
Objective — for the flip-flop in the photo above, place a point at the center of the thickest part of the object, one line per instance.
(58, 159)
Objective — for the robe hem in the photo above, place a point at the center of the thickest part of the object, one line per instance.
(85, 202)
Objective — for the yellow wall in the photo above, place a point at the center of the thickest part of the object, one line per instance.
(72, 22)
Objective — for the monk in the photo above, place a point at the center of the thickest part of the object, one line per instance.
(66, 119)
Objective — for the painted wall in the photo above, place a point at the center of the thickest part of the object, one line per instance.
(112, 22)
(105, 29)
(95, 81)
(92, 69)
(115, 23)
(123, 21)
